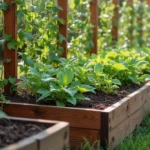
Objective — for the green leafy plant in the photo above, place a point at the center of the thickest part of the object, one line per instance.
(57, 84)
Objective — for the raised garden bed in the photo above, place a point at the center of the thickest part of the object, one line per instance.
(110, 126)
(31, 134)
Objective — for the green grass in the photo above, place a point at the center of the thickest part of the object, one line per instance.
(139, 140)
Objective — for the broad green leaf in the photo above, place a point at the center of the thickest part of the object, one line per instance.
(119, 67)
(70, 91)
(3, 6)
(65, 77)
(49, 79)
(133, 79)
(2, 98)
(112, 54)
(28, 36)
(7, 37)
(44, 92)
(28, 61)
(20, 13)
(85, 88)
(97, 68)
(146, 77)
(61, 38)
(5, 81)
(141, 63)
(80, 96)
(12, 44)
(34, 71)
(116, 81)
(12, 80)
(72, 100)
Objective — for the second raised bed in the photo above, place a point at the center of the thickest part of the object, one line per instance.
(54, 137)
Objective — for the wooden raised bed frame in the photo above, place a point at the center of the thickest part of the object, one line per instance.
(55, 137)
(110, 126)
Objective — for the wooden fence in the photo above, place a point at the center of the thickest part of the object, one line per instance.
(10, 21)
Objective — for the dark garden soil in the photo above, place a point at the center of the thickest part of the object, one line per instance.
(14, 131)
(100, 100)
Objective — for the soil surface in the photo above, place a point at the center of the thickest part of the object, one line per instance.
(100, 100)
(14, 131)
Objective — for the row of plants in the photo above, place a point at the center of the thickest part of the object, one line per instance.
(66, 81)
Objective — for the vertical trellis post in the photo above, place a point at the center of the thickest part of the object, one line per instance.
(94, 22)
(115, 21)
(10, 22)
(63, 14)
(130, 3)
(140, 21)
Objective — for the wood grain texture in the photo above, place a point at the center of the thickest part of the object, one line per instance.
(29, 144)
(76, 117)
(63, 14)
(115, 21)
(120, 132)
(147, 102)
(77, 136)
(127, 106)
(94, 22)
(54, 138)
(10, 69)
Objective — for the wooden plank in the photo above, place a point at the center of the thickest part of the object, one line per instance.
(121, 131)
(125, 107)
(115, 21)
(47, 139)
(76, 117)
(77, 136)
(28, 144)
(10, 69)
(147, 102)
(49, 123)
(137, 101)
(63, 14)
(94, 22)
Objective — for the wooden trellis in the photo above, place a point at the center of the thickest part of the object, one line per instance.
(10, 21)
